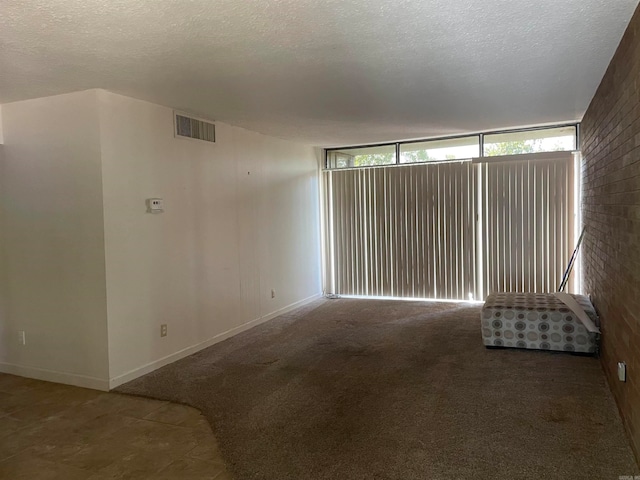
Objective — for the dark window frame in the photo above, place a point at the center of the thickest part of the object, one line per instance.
(479, 135)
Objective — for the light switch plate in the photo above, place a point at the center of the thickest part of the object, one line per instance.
(622, 371)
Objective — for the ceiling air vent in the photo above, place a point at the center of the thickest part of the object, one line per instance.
(194, 128)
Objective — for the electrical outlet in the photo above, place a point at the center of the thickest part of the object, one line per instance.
(155, 205)
(22, 337)
(273, 293)
(163, 330)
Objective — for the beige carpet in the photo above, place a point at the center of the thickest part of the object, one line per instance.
(365, 389)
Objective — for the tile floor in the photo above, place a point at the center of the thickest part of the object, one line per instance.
(51, 431)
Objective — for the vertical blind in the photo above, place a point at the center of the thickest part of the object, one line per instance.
(403, 231)
(527, 223)
(455, 230)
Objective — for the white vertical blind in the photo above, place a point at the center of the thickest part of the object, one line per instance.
(402, 231)
(527, 222)
(450, 230)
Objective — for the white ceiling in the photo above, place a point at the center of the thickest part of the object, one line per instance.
(330, 72)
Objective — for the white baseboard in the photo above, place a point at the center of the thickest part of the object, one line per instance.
(185, 352)
(57, 377)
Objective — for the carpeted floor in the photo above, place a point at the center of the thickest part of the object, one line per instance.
(369, 389)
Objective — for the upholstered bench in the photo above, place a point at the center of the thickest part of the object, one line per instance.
(540, 321)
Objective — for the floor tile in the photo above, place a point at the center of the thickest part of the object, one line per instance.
(174, 414)
(130, 406)
(192, 469)
(20, 440)
(206, 449)
(97, 428)
(225, 475)
(13, 384)
(27, 467)
(97, 456)
(38, 412)
(136, 465)
(53, 431)
(55, 451)
(10, 425)
(10, 403)
(170, 439)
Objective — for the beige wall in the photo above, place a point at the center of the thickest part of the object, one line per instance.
(53, 273)
(241, 218)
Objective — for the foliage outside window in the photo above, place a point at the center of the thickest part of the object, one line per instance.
(362, 157)
(533, 140)
(530, 141)
(440, 150)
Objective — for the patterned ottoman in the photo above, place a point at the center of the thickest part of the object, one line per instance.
(538, 321)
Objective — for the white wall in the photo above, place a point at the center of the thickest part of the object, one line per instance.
(52, 250)
(4, 301)
(241, 218)
(90, 276)
(1, 134)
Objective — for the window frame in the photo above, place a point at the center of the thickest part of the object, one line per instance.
(479, 135)
(357, 147)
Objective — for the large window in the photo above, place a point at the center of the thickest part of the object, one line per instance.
(489, 144)
(449, 230)
(440, 150)
(530, 141)
(362, 157)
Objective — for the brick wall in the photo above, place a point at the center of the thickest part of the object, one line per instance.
(611, 211)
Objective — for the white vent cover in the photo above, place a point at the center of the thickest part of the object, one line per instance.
(193, 128)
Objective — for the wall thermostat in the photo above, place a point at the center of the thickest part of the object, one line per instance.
(155, 205)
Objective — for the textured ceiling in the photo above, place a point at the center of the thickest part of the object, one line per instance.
(322, 72)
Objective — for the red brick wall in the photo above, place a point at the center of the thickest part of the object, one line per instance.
(610, 143)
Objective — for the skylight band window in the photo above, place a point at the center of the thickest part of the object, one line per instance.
(561, 139)
(440, 150)
(489, 144)
(373, 156)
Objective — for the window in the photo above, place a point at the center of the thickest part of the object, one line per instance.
(448, 230)
(438, 150)
(530, 141)
(489, 144)
(362, 156)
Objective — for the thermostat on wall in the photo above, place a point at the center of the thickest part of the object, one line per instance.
(155, 205)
